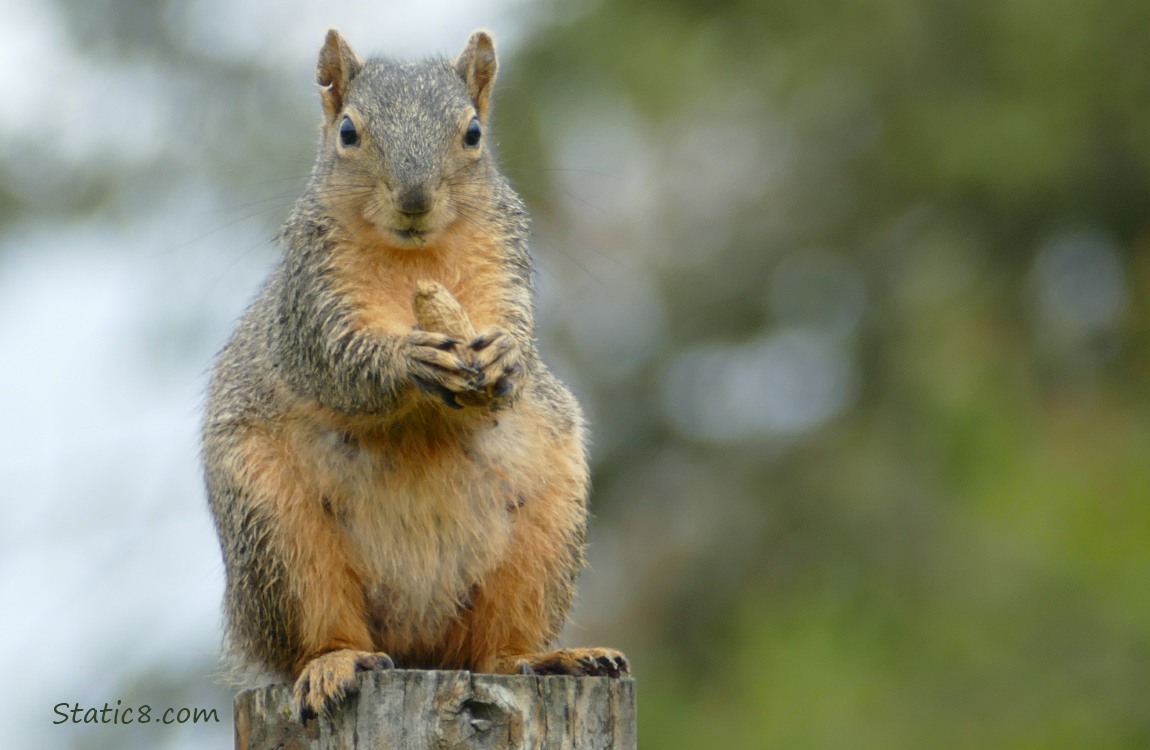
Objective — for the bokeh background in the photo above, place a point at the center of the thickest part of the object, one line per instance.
(855, 295)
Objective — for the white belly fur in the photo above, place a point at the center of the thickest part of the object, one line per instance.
(425, 523)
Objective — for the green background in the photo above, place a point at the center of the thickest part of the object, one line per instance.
(856, 297)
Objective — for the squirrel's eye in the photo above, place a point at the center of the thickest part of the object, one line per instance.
(347, 134)
(471, 137)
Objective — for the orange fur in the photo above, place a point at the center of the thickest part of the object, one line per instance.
(324, 578)
(367, 515)
(380, 279)
(441, 508)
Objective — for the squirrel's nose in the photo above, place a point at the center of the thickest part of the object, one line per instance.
(414, 201)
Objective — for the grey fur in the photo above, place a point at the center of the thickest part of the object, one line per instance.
(298, 340)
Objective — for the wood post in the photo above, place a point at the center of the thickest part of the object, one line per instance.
(427, 710)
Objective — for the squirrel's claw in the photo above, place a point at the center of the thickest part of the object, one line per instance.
(578, 662)
(490, 347)
(496, 362)
(433, 339)
(438, 370)
(429, 386)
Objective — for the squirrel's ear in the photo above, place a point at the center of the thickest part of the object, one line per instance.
(476, 66)
(337, 65)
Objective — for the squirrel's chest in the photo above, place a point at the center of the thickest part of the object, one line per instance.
(379, 285)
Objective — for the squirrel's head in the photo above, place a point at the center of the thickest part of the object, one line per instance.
(404, 149)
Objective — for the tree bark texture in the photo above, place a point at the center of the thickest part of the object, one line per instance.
(428, 710)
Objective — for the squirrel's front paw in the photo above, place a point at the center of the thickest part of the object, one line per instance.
(436, 368)
(329, 678)
(495, 358)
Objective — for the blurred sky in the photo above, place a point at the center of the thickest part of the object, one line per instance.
(109, 566)
(854, 296)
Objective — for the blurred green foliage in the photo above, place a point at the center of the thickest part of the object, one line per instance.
(960, 557)
(931, 527)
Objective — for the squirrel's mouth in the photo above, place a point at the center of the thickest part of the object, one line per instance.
(412, 236)
(412, 230)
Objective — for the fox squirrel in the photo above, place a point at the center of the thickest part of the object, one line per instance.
(395, 476)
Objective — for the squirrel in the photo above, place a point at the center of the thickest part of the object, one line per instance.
(396, 478)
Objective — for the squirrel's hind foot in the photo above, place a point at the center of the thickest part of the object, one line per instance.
(330, 678)
(577, 662)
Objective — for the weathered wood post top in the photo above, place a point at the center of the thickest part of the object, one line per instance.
(429, 710)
